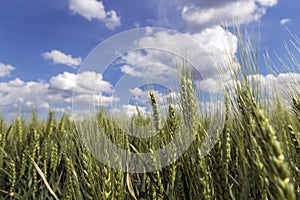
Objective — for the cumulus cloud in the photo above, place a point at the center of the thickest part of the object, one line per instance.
(88, 88)
(211, 85)
(58, 57)
(66, 110)
(207, 50)
(268, 2)
(65, 81)
(210, 51)
(141, 97)
(284, 83)
(268, 85)
(129, 111)
(199, 14)
(285, 21)
(93, 9)
(150, 62)
(156, 70)
(5, 69)
(57, 93)
(25, 95)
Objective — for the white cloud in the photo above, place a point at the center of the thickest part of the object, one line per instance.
(242, 11)
(136, 24)
(66, 110)
(58, 57)
(285, 21)
(201, 14)
(211, 85)
(89, 88)
(93, 9)
(5, 69)
(65, 81)
(270, 85)
(207, 50)
(268, 2)
(150, 70)
(25, 95)
(142, 97)
(129, 70)
(283, 83)
(130, 111)
(57, 93)
(211, 50)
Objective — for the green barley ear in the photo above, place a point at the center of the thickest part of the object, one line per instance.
(155, 110)
(68, 187)
(273, 158)
(220, 181)
(188, 101)
(86, 174)
(226, 133)
(140, 120)
(2, 129)
(295, 161)
(34, 119)
(226, 150)
(24, 162)
(45, 151)
(118, 179)
(4, 137)
(157, 187)
(47, 140)
(171, 127)
(54, 156)
(172, 122)
(107, 185)
(8, 134)
(204, 181)
(61, 126)
(295, 140)
(1, 154)
(50, 123)
(277, 169)
(12, 175)
(35, 147)
(259, 180)
(1, 138)
(296, 107)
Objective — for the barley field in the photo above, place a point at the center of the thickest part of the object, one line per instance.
(256, 157)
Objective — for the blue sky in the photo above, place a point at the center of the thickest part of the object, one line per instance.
(43, 43)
